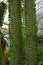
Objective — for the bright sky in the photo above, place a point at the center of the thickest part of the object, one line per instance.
(6, 16)
(6, 19)
(37, 1)
(5, 1)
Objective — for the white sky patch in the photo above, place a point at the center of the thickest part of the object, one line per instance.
(5, 1)
(37, 1)
(6, 16)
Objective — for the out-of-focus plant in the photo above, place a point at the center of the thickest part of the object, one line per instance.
(2, 12)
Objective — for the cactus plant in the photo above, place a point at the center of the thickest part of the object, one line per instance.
(15, 31)
(31, 37)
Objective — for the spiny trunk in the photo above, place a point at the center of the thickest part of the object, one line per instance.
(16, 47)
(31, 39)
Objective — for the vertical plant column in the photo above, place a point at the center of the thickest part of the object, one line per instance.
(15, 31)
(31, 38)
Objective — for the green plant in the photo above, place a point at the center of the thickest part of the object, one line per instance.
(2, 12)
